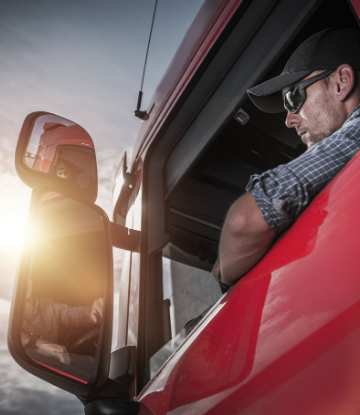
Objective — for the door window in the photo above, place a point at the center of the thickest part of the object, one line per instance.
(190, 291)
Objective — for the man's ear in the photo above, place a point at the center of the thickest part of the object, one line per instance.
(345, 82)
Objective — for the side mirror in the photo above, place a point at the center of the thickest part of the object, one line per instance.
(61, 317)
(54, 151)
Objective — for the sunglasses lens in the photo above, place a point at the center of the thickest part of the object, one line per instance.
(293, 100)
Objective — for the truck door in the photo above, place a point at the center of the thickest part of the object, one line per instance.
(207, 364)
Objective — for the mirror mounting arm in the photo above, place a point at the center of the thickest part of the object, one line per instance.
(112, 398)
(124, 238)
(108, 406)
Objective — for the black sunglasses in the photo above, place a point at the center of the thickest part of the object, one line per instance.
(296, 96)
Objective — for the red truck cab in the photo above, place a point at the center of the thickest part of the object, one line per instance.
(54, 136)
(285, 338)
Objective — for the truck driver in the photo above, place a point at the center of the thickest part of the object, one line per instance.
(320, 90)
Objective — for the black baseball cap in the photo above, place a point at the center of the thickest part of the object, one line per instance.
(327, 49)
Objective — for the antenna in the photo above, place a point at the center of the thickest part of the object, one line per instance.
(143, 115)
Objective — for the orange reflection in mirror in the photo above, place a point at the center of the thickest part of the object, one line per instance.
(63, 310)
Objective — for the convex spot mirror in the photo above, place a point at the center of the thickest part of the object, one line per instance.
(60, 326)
(54, 151)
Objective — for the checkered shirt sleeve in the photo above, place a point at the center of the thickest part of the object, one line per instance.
(284, 192)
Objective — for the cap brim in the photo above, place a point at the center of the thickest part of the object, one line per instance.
(267, 96)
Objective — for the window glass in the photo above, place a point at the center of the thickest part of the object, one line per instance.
(121, 280)
(190, 291)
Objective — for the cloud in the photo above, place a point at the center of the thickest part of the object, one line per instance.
(6, 156)
(14, 202)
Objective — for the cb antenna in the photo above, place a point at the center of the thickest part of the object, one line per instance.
(143, 115)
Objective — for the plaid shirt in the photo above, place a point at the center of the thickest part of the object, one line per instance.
(284, 192)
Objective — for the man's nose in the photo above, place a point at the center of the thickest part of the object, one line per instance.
(292, 120)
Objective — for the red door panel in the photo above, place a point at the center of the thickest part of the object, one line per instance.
(286, 339)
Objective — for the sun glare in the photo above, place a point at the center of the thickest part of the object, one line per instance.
(13, 217)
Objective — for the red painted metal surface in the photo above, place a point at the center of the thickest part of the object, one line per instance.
(286, 338)
(356, 6)
(55, 135)
(212, 18)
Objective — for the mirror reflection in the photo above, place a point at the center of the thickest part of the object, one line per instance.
(61, 148)
(63, 309)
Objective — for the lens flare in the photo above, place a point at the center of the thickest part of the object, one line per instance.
(13, 217)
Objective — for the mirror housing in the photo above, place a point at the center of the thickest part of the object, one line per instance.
(64, 218)
(54, 151)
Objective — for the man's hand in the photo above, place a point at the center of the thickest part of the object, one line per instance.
(94, 312)
(50, 347)
(244, 239)
(41, 344)
(61, 353)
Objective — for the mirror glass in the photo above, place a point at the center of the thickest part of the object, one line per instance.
(64, 302)
(62, 149)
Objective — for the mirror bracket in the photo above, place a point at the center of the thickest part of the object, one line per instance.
(122, 365)
(112, 406)
(124, 238)
(111, 389)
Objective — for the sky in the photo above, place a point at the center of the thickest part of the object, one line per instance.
(82, 60)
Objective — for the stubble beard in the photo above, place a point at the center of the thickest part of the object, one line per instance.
(326, 122)
(316, 138)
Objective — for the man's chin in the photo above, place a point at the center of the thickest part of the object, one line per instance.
(307, 140)
(311, 141)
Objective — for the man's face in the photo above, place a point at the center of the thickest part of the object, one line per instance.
(319, 117)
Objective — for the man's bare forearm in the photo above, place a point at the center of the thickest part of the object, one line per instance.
(244, 239)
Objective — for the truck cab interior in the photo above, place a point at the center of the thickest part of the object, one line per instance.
(204, 156)
(200, 200)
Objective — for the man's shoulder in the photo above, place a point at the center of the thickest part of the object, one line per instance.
(353, 118)
(350, 130)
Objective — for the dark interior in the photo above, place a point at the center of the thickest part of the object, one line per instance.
(199, 203)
